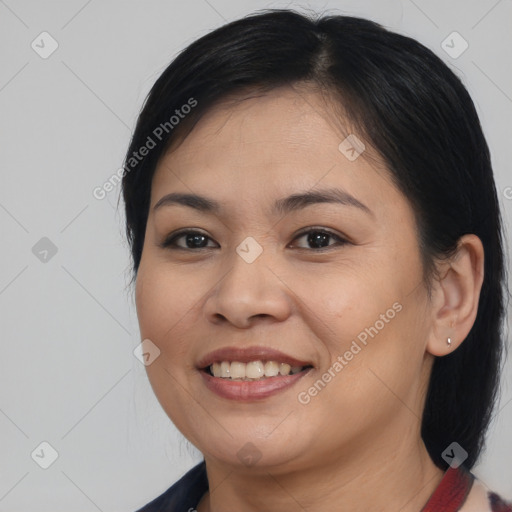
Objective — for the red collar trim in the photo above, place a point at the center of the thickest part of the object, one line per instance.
(452, 491)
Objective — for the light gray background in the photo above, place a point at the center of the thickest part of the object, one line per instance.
(69, 328)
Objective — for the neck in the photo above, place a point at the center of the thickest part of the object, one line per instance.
(400, 477)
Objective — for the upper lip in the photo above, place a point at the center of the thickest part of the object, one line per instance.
(248, 354)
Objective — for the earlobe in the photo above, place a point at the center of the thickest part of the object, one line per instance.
(456, 296)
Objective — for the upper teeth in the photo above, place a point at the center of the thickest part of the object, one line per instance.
(252, 370)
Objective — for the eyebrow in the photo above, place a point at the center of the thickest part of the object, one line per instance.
(282, 206)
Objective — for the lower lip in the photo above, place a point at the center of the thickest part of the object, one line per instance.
(246, 390)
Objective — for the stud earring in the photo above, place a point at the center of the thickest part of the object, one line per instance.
(449, 341)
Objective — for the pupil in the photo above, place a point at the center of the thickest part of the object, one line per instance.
(316, 237)
(193, 239)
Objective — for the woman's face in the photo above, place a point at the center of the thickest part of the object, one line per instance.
(346, 302)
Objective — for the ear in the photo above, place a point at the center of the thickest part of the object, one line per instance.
(455, 296)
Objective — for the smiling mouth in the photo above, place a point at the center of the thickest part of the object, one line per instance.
(252, 371)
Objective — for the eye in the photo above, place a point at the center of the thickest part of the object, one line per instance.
(318, 238)
(193, 240)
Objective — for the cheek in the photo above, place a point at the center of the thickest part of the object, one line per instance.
(163, 306)
(375, 321)
(163, 303)
(348, 301)
(383, 359)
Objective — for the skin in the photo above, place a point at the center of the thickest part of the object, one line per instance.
(357, 442)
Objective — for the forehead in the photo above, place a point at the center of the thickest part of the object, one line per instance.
(286, 115)
(286, 139)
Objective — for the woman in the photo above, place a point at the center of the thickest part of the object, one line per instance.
(318, 266)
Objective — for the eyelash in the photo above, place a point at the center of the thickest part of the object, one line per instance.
(170, 241)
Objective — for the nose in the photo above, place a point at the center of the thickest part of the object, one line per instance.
(249, 293)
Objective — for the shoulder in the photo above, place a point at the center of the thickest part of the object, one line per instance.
(498, 504)
(481, 499)
(185, 494)
(461, 491)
